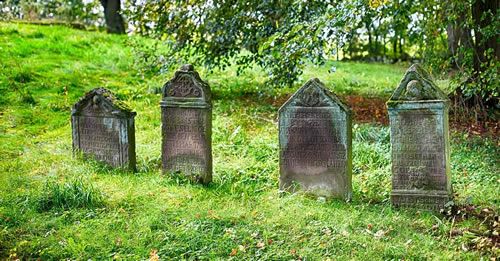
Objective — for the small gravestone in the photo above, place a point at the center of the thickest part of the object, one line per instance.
(103, 128)
(418, 114)
(187, 126)
(315, 138)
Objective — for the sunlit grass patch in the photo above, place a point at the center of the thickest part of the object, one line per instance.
(68, 195)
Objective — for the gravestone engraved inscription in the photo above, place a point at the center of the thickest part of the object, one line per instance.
(418, 114)
(187, 126)
(315, 136)
(103, 128)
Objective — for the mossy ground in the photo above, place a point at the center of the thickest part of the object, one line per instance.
(44, 70)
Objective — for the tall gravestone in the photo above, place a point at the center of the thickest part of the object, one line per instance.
(187, 126)
(418, 114)
(315, 136)
(103, 128)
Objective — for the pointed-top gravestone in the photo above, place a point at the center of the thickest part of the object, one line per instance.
(187, 126)
(417, 85)
(315, 138)
(418, 114)
(103, 127)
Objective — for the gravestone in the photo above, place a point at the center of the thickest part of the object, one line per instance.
(103, 128)
(187, 126)
(315, 136)
(418, 115)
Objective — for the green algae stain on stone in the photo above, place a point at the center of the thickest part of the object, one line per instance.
(316, 143)
(187, 126)
(418, 115)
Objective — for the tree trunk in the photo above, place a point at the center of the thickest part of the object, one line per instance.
(337, 49)
(483, 14)
(395, 47)
(453, 32)
(114, 20)
(479, 8)
(384, 37)
(401, 51)
(370, 47)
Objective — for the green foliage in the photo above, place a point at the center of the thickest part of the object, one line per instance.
(63, 10)
(240, 216)
(282, 37)
(72, 194)
(472, 48)
(277, 36)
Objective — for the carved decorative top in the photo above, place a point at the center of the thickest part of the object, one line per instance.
(101, 101)
(186, 84)
(417, 85)
(314, 94)
(184, 87)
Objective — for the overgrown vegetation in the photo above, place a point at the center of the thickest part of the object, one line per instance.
(69, 195)
(454, 37)
(240, 215)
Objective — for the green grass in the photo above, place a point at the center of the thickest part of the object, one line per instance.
(44, 70)
(70, 195)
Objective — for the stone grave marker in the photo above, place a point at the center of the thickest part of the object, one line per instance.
(418, 115)
(315, 136)
(187, 126)
(103, 128)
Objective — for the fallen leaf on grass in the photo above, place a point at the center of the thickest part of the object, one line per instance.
(379, 234)
(234, 251)
(327, 231)
(153, 255)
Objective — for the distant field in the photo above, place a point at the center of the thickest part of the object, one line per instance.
(110, 214)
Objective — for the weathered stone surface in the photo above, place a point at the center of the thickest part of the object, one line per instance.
(103, 128)
(418, 114)
(187, 126)
(315, 135)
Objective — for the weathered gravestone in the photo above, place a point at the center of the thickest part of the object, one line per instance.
(315, 136)
(187, 126)
(103, 128)
(418, 114)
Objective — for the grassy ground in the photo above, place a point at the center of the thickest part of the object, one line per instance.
(54, 206)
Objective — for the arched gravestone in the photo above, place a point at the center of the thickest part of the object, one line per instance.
(103, 128)
(315, 136)
(418, 114)
(187, 125)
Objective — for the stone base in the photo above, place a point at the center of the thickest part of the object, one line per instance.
(423, 199)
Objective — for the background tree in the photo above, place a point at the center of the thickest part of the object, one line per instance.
(114, 20)
(455, 37)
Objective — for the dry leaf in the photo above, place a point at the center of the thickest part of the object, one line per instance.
(153, 255)
(379, 234)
